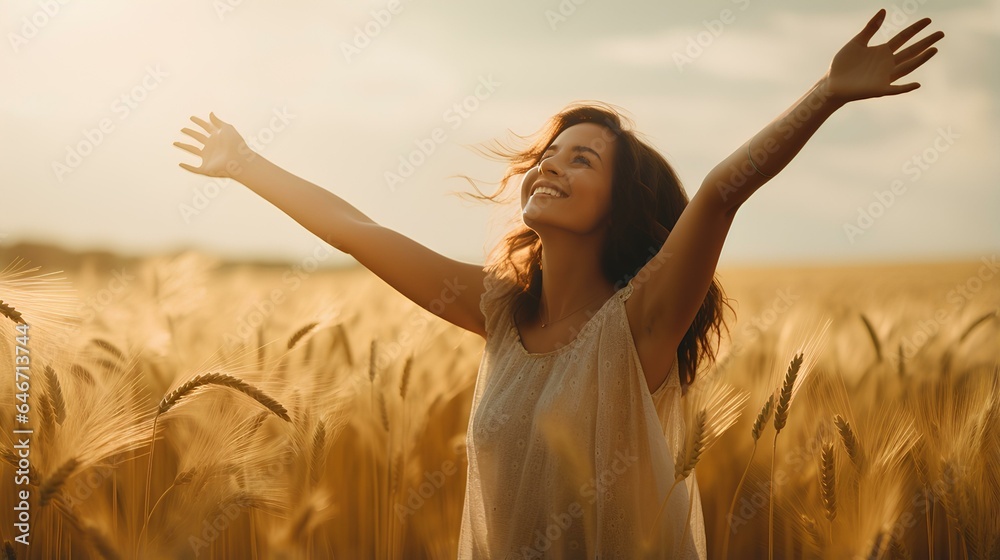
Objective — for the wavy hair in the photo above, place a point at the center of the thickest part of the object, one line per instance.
(646, 201)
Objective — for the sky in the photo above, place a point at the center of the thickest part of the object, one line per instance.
(95, 93)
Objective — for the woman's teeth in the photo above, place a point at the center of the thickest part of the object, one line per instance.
(548, 191)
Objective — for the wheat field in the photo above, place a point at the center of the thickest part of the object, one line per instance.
(186, 408)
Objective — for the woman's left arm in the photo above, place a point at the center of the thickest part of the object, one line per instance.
(858, 71)
(676, 280)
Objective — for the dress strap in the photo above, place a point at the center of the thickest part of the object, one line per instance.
(624, 293)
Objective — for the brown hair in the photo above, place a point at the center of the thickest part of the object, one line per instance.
(646, 201)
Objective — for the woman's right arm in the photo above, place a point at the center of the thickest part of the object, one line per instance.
(443, 286)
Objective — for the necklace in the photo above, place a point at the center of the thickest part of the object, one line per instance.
(547, 322)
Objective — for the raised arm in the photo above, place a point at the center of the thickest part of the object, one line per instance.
(678, 277)
(443, 286)
(858, 71)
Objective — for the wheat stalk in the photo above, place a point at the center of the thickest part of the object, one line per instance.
(850, 441)
(107, 364)
(260, 345)
(978, 321)
(812, 529)
(785, 398)
(318, 451)
(48, 417)
(345, 341)
(780, 417)
(257, 422)
(687, 457)
(406, 376)
(55, 390)
(829, 482)
(108, 347)
(762, 417)
(225, 380)
(950, 496)
(185, 477)
(719, 409)
(300, 333)
(101, 543)
(9, 312)
(82, 373)
(397, 468)
(300, 522)
(383, 412)
(371, 361)
(54, 482)
(873, 336)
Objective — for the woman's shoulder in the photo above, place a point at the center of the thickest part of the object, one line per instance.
(498, 287)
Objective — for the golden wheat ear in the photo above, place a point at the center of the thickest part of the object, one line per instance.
(55, 481)
(224, 380)
(109, 348)
(10, 313)
(829, 481)
(874, 337)
(762, 417)
(54, 389)
(299, 334)
(404, 382)
(850, 440)
(318, 452)
(785, 398)
(718, 409)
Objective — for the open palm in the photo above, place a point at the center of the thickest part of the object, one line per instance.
(223, 151)
(860, 71)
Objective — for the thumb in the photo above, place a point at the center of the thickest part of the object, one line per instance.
(901, 88)
(216, 120)
(871, 28)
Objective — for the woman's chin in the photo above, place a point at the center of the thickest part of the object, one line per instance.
(532, 216)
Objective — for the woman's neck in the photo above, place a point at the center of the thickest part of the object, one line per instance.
(571, 269)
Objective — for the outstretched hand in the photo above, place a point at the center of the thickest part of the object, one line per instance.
(224, 149)
(860, 71)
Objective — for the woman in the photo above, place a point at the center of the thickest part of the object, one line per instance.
(594, 317)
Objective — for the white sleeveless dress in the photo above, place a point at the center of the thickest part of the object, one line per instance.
(569, 454)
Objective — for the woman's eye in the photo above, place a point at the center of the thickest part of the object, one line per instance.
(585, 160)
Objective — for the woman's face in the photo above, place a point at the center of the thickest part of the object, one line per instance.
(578, 164)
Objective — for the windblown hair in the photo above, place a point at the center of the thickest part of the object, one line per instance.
(646, 201)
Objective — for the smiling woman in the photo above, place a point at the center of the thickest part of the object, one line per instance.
(597, 312)
(568, 357)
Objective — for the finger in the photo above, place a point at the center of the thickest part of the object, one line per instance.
(868, 32)
(905, 35)
(917, 48)
(188, 167)
(201, 122)
(901, 88)
(216, 120)
(195, 134)
(188, 147)
(912, 64)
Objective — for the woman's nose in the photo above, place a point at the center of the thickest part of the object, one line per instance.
(548, 165)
